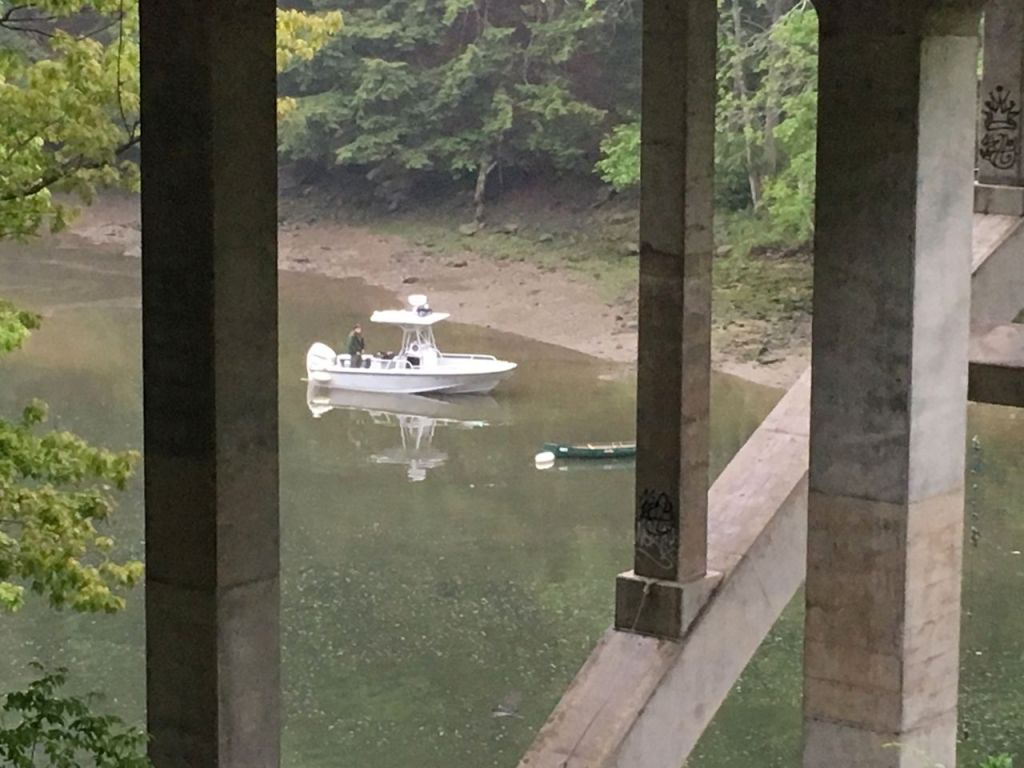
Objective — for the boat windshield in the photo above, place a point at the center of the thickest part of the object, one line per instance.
(417, 339)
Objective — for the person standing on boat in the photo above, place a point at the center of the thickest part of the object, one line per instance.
(355, 344)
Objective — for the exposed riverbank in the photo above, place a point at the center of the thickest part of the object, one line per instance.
(515, 277)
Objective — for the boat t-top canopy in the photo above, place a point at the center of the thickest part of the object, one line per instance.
(419, 314)
(407, 317)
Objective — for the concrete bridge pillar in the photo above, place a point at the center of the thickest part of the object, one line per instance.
(669, 579)
(209, 308)
(1000, 165)
(891, 316)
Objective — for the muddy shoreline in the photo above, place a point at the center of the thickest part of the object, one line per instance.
(557, 306)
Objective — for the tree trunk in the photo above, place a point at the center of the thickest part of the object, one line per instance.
(743, 97)
(480, 193)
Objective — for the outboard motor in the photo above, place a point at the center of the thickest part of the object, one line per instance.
(319, 357)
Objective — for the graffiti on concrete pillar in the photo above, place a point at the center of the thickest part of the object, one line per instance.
(657, 530)
(1000, 143)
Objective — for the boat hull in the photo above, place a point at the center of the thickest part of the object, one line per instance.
(410, 382)
(432, 374)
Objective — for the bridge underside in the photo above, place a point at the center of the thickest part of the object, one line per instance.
(645, 701)
(854, 483)
(902, 271)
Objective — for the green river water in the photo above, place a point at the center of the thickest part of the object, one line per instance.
(439, 592)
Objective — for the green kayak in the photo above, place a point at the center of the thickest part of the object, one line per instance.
(592, 450)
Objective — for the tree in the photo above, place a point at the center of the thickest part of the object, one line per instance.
(464, 88)
(766, 118)
(55, 494)
(793, 95)
(69, 83)
(40, 727)
(620, 161)
(737, 52)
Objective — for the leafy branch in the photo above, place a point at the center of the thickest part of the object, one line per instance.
(55, 493)
(71, 102)
(40, 728)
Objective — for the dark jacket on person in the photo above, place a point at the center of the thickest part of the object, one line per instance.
(355, 344)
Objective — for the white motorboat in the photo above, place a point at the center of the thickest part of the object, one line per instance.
(419, 367)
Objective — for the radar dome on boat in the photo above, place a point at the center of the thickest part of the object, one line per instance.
(417, 300)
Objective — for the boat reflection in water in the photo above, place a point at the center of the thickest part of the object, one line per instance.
(417, 417)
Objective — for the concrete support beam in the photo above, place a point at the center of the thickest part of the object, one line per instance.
(888, 402)
(643, 702)
(997, 288)
(757, 539)
(1000, 167)
(669, 580)
(997, 366)
(209, 288)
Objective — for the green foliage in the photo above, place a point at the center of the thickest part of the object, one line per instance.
(15, 326)
(732, 133)
(55, 490)
(70, 108)
(620, 161)
(998, 761)
(69, 85)
(789, 192)
(766, 121)
(457, 87)
(767, 115)
(39, 728)
(301, 35)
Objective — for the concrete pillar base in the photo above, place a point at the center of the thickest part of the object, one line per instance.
(660, 608)
(881, 637)
(1002, 200)
(837, 744)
